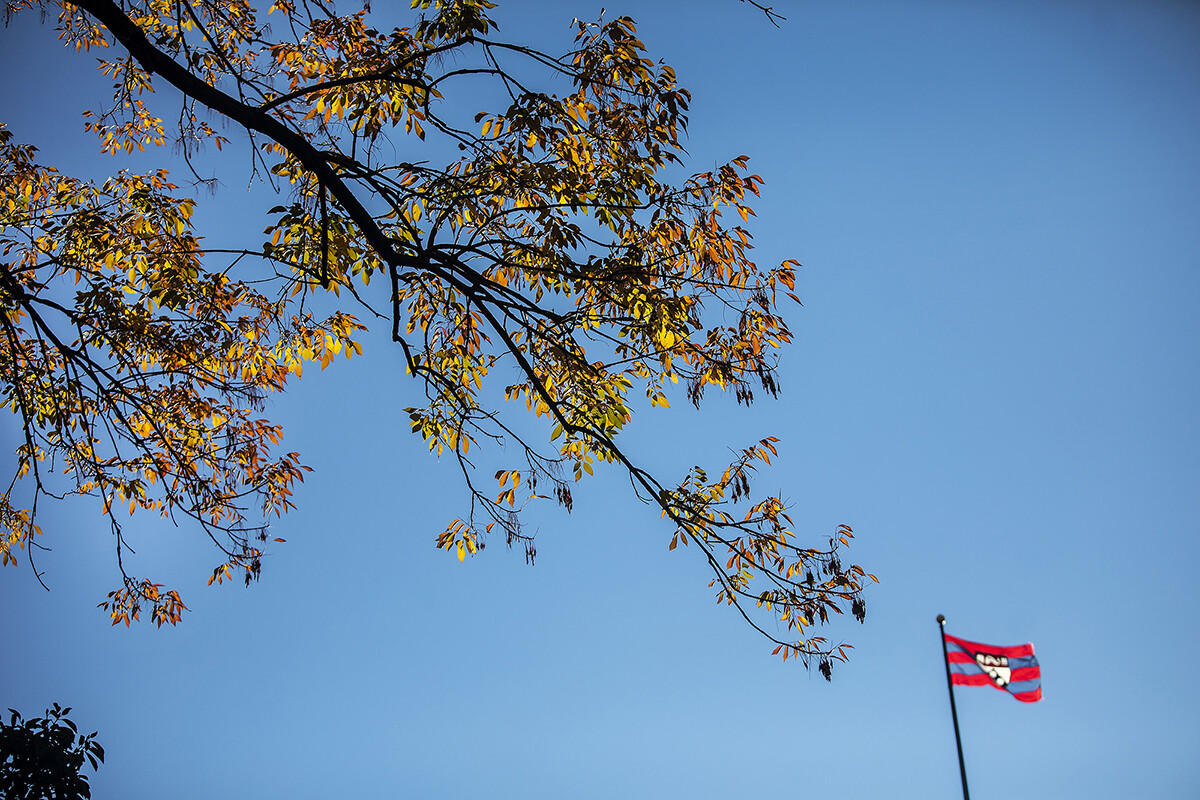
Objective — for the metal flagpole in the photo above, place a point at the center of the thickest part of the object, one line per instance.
(962, 768)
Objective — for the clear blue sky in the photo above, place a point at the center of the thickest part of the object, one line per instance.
(994, 382)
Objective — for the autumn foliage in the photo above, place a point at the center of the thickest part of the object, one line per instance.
(535, 258)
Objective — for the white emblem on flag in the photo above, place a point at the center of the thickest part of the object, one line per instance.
(996, 668)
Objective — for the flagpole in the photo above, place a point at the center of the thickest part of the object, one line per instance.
(962, 768)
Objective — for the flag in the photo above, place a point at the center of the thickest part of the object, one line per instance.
(1011, 669)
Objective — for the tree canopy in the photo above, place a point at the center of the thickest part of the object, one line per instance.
(546, 256)
(44, 757)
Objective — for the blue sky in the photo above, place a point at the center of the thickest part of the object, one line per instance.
(994, 382)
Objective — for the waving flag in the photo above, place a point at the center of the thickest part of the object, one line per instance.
(1012, 669)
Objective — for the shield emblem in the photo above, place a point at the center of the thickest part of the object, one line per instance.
(996, 668)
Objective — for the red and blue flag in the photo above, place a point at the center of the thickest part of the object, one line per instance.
(1011, 669)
